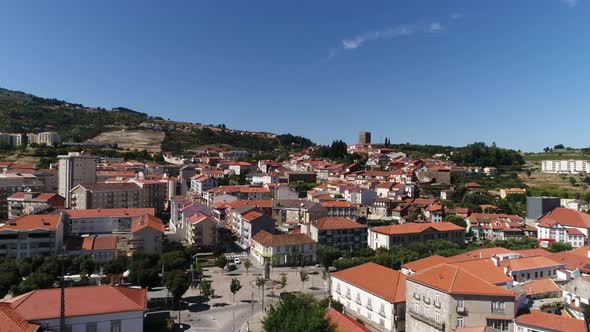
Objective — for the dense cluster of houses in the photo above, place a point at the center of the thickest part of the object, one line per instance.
(112, 207)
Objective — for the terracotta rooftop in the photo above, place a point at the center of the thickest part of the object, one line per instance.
(252, 215)
(344, 323)
(425, 263)
(145, 221)
(452, 279)
(337, 204)
(267, 239)
(11, 321)
(551, 322)
(540, 286)
(44, 303)
(378, 280)
(527, 263)
(571, 261)
(33, 221)
(329, 223)
(416, 228)
(480, 253)
(566, 217)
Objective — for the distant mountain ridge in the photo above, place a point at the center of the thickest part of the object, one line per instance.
(23, 112)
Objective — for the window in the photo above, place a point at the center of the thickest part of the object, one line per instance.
(91, 327)
(497, 306)
(460, 322)
(115, 326)
(437, 316)
(499, 324)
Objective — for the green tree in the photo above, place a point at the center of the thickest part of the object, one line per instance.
(573, 180)
(247, 265)
(235, 287)
(327, 255)
(283, 280)
(304, 276)
(221, 262)
(206, 289)
(177, 283)
(559, 246)
(174, 260)
(260, 282)
(9, 277)
(296, 313)
(198, 268)
(459, 221)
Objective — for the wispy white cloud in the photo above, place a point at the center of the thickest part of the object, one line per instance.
(456, 16)
(570, 3)
(389, 33)
(435, 27)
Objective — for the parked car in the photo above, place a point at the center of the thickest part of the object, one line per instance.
(237, 261)
(230, 267)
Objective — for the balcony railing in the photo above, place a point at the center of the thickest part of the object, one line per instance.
(369, 307)
(416, 296)
(382, 313)
(460, 309)
(348, 296)
(428, 320)
(358, 301)
(426, 299)
(437, 304)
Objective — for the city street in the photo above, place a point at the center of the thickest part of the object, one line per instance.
(222, 313)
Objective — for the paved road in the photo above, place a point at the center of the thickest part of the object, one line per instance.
(223, 313)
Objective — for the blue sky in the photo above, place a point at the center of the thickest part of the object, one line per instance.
(432, 72)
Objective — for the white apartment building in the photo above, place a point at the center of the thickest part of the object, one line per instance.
(32, 235)
(564, 225)
(11, 139)
(49, 138)
(565, 166)
(283, 249)
(373, 293)
(75, 168)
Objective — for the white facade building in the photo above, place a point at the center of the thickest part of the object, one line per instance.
(565, 166)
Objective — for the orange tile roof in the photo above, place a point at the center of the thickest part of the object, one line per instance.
(453, 279)
(80, 301)
(540, 319)
(141, 222)
(416, 228)
(33, 221)
(480, 253)
(262, 203)
(344, 323)
(337, 223)
(267, 239)
(581, 251)
(252, 215)
(566, 217)
(378, 280)
(540, 286)
(98, 213)
(527, 263)
(425, 263)
(533, 252)
(572, 261)
(337, 204)
(485, 269)
(11, 321)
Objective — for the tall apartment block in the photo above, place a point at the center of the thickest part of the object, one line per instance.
(75, 168)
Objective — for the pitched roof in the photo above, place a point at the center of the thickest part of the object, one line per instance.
(198, 217)
(572, 261)
(337, 204)
(527, 263)
(107, 187)
(583, 251)
(97, 213)
(267, 239)
(378, 280)
(416, 228)
(11, 321)
(41, 197)
(453, 279)
(480, 253)
(252, 215)
(344, 323)
(566, 217)
(540, 286)
(425, 263)
(44, 303)
(336, 223)
(485, 269)
(33, 221)
(553, 322)
(141, 222)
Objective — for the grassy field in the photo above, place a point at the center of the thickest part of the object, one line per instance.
(555, 156)
(135, 139)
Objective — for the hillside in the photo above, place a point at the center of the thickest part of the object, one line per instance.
(22, 112)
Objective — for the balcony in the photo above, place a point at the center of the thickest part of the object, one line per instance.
(358, 301)
(369, 307)
(426, 299)
(461, 309)
(437, 304)
(382, 313)
(428, 320)
(416, 296)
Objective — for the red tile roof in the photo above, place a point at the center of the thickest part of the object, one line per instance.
(267, 239)
(425, 263)
(527, 263)
(145, 221)
(540, 286)
(566, 217)
(480, 253)
(485, 269)
(337, 223)
(416, 228)
(551, 322)
(11, 321)
(252, 215)
(453, 279)
(337, 204)
(344, 323)
(98, 213)
(378, 280)
(80, 301)
(33, 221)
(572, 261)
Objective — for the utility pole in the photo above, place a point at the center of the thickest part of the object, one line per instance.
(62, 312)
